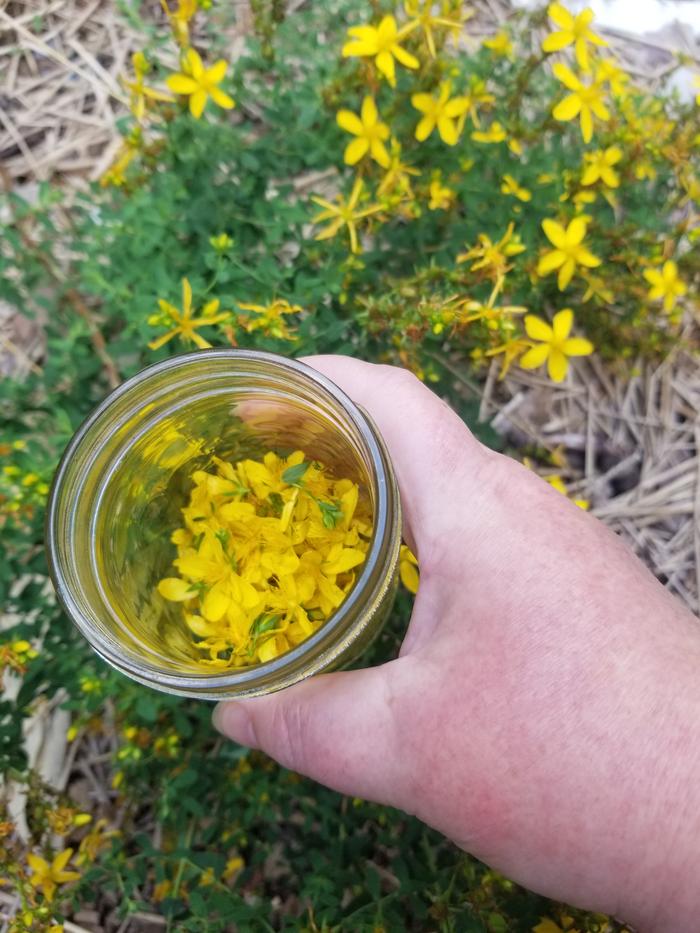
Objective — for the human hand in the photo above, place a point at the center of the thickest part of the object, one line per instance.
(544, 712)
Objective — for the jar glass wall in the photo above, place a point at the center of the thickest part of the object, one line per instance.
(126, 475)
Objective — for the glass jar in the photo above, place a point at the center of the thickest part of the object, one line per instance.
(125, 476)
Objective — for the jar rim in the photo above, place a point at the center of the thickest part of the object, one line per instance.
(191, 683)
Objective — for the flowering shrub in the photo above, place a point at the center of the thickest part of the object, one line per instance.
(364, 179)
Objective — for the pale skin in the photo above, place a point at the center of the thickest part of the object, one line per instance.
(544, 712)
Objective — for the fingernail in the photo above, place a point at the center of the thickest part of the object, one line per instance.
(233, 720)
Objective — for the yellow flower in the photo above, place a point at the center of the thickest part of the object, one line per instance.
(221, 243)
(233, 867)
(500, 44)
(127, 153)
(596, 288)
(396, 178)
(511, 350)
(98, 837)
(644, 170)
(371, 134)
(477, 96)
(665, 283)
(139, 93)
(510, 186)
(408, 569)
(268, 551)
(696, 82)
(600, 167)
(556, 482)
(585, 101)
(609, 71)
(549, 926)
(494, 256)
(47, 876)
(491, 315)
(179, 20)
(555, 345)
(186, 325)
(63, 819)
(568, 251)
(441, 197)
(494, 134)
(161, 890)
(572, 29)
(270, 318)
(422, 17)
(382, 44)
(441, 112)
(200, 83)
(344, 214)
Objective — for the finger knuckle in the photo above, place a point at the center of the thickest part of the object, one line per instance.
(288, 729)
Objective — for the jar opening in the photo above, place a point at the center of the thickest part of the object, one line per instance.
(124, 479)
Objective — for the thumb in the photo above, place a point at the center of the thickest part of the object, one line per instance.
(339, 729)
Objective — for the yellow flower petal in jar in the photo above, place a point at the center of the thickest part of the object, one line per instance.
(257, 565)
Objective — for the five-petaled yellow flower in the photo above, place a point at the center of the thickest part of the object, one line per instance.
(47, 876)
(568, 251)
(382, 44)
(186, 325)
(371, 134)
(554, 345)
(572, 29)
(584, 101)
(441, 112)
(510, 186)
(600, 167)
(665, 283)
(344, 213)
(200, 83)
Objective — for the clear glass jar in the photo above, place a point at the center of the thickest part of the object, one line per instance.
(126, 474)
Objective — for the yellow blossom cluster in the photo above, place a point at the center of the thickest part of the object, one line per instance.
(185, 323)
(195, 82)
(268, 551)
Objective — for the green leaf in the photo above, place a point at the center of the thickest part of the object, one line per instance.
(263, 623)
(293, 474)
(331, 513)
